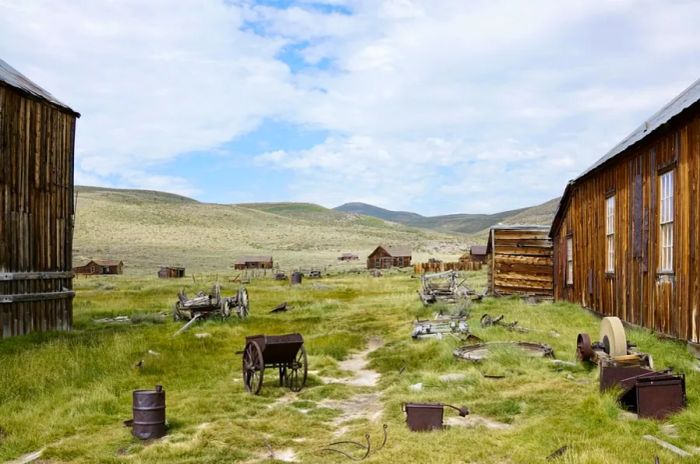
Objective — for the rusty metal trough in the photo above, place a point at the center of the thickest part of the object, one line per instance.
(422, 417)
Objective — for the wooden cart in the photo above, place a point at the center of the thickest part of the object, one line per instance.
(283, 352)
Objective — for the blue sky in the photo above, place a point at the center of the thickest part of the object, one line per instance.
(433, 106)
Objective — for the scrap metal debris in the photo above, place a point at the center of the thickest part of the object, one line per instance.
(558, 453)
(443, 287)
(667, 445)
(367, 448)
(280, 308)
(489, 321)
(440, 326)
(482, 351)
(422, 417)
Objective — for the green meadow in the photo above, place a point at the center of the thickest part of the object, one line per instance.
(69, 393)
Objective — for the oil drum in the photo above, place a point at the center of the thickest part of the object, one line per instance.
(296, 278)
(149, 413)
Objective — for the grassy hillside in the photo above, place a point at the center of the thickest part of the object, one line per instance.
(146, 229)
(460, 223)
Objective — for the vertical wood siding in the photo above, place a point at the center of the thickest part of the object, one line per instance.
(36, 212)
(637, 292)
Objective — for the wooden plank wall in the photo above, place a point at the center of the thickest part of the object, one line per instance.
(36, 211)
(420, 268)
(636, 292)
(520, 262)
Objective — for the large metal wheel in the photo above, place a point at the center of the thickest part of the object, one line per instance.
(612, 334)
(296, 373)
(242, 299)
(253, 368)
(584, 349)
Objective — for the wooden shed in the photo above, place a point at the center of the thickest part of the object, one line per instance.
(387, 256)
(37, 140)
(253, 262)
(348, 257)
(520, 261)
(476, 254)
(171, 272)
(101, 267)
(627, 231)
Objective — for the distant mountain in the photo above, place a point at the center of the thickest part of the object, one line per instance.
(462, 223)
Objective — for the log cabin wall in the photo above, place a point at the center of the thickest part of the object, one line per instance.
(36, 211)
(635, 287)
(520, 261)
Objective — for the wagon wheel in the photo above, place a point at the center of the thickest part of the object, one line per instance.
(176, 312)
(253, 368)
(242, 299)
(584, 350)
(225, 308)
(297, 370)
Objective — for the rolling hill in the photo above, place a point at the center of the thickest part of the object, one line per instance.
(461, 223)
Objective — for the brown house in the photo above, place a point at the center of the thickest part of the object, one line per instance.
(37, 140)
(520, 261)
(253, 262)
(627, 231)
(102, 267)
(386, 256)
(476, 254)
(171, 272)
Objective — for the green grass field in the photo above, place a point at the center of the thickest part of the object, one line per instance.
(68, 393)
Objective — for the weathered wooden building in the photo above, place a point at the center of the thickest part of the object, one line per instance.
(101, 267)
(253, 262)
(348, 257)
(387, 256)
(476, 254)
(171, 272)
(37, 138)
(520, 261)
(627, 231)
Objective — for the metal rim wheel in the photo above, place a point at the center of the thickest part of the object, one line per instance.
(584, 350)
(253, 368)
(612, 334)
(296, 374)
(242, 298)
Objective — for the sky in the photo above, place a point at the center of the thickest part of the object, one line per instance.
(432, 106)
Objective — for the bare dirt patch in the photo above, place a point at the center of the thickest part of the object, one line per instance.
(357, 365)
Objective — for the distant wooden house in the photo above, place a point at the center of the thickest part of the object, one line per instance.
(171, 272)
(627, 231)
(476, 254)
(253, 262)
(101, 267)
(387, 256)
(37, 142)
(348, 257)
(520, 261)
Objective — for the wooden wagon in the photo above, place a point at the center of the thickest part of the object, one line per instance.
(283, 352)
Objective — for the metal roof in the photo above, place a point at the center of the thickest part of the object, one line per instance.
(14, 78)
(478, 250)
(676, 106)
(396, 250)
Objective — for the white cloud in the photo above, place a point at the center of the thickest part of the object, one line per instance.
(432, 105)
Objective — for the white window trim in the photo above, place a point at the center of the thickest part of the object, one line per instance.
(666, 220)
(610, 234)
(569, 260)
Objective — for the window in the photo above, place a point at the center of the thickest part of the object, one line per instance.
(666, 222)
(569, 261)
(610, 234)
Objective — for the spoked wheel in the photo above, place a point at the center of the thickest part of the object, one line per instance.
(225, 308)
(242, 298)
(253, 368)
(297, 371)
(176, 312)
(584, 350)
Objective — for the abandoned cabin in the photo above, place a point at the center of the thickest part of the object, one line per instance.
(171, 272)
(253, 262)
(626, 235)
(476, 254)
(37, 141)
(387, 256)
(520, 261)
(348, 257)
(101, 267)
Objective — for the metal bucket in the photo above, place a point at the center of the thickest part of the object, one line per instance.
(423, 417)
(149, 413)
(296, 278)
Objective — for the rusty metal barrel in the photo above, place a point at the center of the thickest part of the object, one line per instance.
(296, 278)
(149, 413)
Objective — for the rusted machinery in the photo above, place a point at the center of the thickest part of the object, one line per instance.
(443, 287)
(422, 417)
(206, 305)
(645, 391)
(440, 326)
(283, 352)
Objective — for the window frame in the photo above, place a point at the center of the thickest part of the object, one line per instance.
(667, 212)
(610, 213)
(569, 270)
